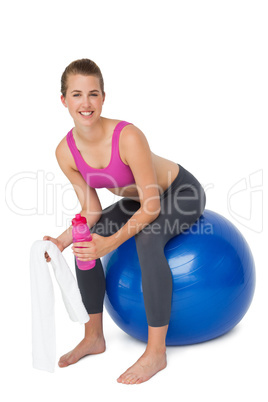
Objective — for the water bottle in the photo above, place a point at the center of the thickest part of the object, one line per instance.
(81, 233)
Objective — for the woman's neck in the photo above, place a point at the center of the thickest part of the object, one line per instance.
(92, 134)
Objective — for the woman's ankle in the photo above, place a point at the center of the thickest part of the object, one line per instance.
(157, 340)
(155, 349)
(94, 327)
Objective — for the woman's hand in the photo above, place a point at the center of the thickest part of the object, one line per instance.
(55, 241)
(96, 248)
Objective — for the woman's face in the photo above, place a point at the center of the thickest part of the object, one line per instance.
(83, 99)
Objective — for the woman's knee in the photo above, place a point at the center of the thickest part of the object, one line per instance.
(149, 244)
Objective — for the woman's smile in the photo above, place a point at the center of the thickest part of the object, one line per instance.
(86, 115)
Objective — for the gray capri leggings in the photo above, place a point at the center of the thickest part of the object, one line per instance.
(181, 205)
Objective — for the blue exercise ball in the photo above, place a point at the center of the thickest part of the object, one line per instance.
(213, 282)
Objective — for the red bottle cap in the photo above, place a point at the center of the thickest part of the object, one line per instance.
(78, 220)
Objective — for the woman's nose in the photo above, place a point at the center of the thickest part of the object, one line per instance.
(86, 101)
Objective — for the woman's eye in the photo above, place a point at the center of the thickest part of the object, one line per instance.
(77, 95)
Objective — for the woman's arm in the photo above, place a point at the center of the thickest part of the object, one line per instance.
(87, 196)
(139, 158)
(138, 155)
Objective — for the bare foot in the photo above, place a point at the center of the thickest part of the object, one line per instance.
(148, 365)
(88, 346)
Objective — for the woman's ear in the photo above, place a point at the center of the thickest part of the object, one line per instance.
(63, 101)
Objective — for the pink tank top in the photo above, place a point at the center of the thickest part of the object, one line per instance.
(116, 174)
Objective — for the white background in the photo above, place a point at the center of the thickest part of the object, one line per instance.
(192, 75)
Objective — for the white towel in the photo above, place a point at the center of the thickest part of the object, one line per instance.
(42, 297)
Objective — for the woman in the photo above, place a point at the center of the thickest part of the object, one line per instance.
(159, 200)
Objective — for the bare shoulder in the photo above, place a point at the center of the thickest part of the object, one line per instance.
(133, 131)
(132, 136)
(64, 155)
(133, 144)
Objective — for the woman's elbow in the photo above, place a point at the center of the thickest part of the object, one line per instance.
(92, 217)
(152, 210)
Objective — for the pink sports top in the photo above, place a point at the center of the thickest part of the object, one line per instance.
(116, 174)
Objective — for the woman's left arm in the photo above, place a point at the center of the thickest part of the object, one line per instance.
(138, 156)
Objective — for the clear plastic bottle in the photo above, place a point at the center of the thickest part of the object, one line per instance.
(81, 232)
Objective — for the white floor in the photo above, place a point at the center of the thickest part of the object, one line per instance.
(229, 368)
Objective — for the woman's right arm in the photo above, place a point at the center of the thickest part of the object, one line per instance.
(87, 196)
